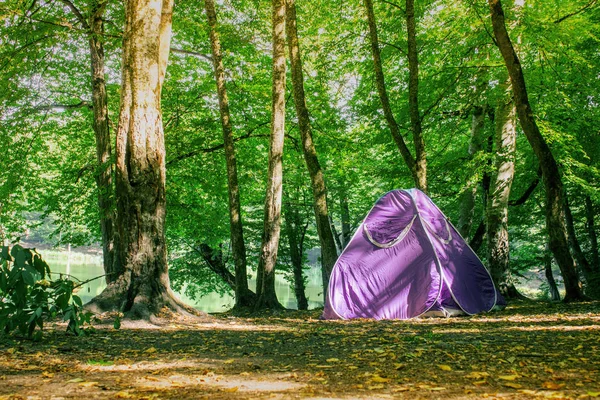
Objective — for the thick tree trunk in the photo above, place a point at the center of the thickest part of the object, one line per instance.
(243, 296)
(319, 189)
(413, 98)
(103, 147)
(144, 288)
(591, 229)
(265, 289)
(554, 294)
(497, 208)
(555, 223)
(467, 198)
(383, 96)
(295, 233)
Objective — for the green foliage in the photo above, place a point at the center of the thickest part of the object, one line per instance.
(29, 297)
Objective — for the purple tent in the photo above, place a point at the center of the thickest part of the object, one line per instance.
(407, 260)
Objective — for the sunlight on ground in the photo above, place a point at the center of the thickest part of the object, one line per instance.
(225, 383)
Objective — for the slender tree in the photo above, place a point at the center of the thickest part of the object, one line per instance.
(591, 228)
(265, 286)
(243, 297)
(554, 294)
(94, 26)
(467, 198)
(555, 222)
(319, 188)
(413, 98)
(144, 288)
(497, 208)
(408, 158)
(296, 232)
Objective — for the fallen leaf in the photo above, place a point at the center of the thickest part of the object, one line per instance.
(508, 377)
(593, 394)
(375, 387)
(75, 380)
(477, 375)
(231, 390)
(150, 350)
(552, 385)
(331, 360)
(445, 367)
(377, 378)
(230, 361)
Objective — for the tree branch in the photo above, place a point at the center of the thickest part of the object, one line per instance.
(528, 191)
(582, 9)
(77, 13)
(394, 5)
(215, 148)
(191, 53)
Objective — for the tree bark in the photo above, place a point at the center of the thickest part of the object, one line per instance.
(591, 276)
(319, 188)
(295, 233)
(345, 213)
(413, 98)
(497, 208)
(554, 294)
(555, 223)
(467, 198)
(104, 174)
(144, 288)
(591, 228)
(383, 96)
(267, 298)
(243, 297)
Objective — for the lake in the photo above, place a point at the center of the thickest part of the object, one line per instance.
(85, 266)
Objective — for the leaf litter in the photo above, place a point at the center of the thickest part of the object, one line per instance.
(529, 350)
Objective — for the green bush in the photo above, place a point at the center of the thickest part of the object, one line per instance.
(29, 296)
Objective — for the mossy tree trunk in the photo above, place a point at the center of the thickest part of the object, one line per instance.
(265, 286)
(243, 296)
(101, 126)
(555, 222)
(319, 188)
(497, 208)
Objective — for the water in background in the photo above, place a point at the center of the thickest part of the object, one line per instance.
(85, 266)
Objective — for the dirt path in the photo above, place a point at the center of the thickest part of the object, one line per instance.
(526, 351)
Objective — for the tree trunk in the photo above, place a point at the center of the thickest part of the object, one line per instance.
(555, 223)
(383, 96)
(103, 147)
(413, 98)
(336, 236)
(243, 296)
(295, 233)
(591, 228)
(319, 189)
(591, 277)
(265, 289)
(144, 288)
(477, 239)
(467, 198)
(497, 208)
(582, 262)
(554, 294)
(345, 212)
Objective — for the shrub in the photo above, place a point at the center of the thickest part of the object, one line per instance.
(29, 296)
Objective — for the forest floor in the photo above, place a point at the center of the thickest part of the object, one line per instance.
(529, 350)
